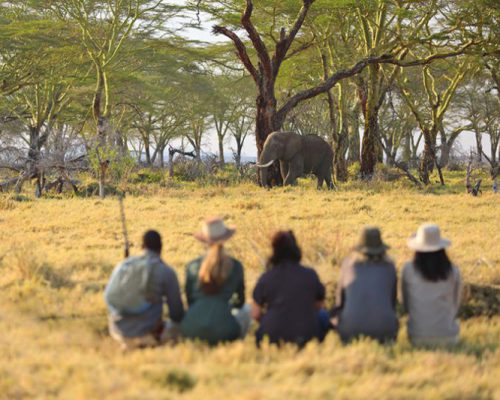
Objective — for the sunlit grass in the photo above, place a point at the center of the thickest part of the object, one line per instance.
(56, 255)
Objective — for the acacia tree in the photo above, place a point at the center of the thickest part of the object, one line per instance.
(266, 68)
(105, 27)
(269, 116)
(429, 99)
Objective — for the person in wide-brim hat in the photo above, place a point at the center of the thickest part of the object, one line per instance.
(370, 242)
(367, 287)
(431, 287)
(428, 239)
(213, 230)
(215, 289)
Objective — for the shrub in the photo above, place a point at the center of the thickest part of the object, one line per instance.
(386, 173)
(354, 170)
(150, 175)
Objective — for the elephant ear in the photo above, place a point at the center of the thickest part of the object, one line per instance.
(293, 145)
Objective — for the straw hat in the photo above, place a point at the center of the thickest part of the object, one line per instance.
(213, 230)
(370, 242)
(428, 239)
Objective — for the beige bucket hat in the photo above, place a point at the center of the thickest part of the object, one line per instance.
(213, 230)
(428, 239)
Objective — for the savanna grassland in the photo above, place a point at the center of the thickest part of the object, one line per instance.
(57, 253)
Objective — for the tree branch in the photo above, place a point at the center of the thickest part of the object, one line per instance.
(285, 41)
(241, 50)
(257, 41)
(328, 84)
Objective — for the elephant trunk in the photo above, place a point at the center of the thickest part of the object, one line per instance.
(267, 158)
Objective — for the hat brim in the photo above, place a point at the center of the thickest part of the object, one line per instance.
(220, 239)
(427, 248)
(373, 251)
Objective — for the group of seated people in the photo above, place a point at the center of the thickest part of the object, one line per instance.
(288, 299)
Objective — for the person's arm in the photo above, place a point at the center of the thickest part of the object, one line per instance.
(457, 294)
(189, 286)
(256, 312)
(320, 292)
(394, 288)
(340, 290)
(404, 288)
(240, 291)
(259, 298)
(174, 299)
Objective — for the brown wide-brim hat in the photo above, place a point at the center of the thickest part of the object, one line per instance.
(213, 230)
(370, 242)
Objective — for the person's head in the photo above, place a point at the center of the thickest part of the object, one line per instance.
(370, 244)
(430, 258)
(151, 240)
(216, 264)
(285, 248)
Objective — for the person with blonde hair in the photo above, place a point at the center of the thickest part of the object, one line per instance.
(431, 287)
(215, 290)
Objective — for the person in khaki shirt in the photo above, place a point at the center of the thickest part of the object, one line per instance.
(431, 288)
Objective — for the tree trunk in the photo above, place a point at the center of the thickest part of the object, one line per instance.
(427, 158)
(102, 130)
(369, 149)
(444, 157)
(220, 138)
(265, 124)
(162, 156)
(32, 164)
(340, 163)
(479, 146)
(171, 163)
(354, 142)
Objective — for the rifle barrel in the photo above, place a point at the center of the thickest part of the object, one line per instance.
(124, 227)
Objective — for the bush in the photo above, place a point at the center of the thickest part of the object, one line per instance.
(189, 170)
(354, 170)
(148, 176)
(386, 173)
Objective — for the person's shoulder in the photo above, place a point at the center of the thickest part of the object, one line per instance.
(166, 269)
(408, 269)
(236, 263)
(194, 265)
(308, 271)
(455, 271)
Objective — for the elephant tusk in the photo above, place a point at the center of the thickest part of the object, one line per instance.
(265, 165)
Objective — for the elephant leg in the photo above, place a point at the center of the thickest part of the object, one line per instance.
(320, 182)
(329, 183)
(284, 167)
(329, 179)
(295, 170)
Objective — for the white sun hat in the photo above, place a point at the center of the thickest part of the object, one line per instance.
(428, 239)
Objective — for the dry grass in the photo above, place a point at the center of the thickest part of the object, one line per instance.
(56, 255)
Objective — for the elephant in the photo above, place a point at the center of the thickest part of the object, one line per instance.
(297, 155)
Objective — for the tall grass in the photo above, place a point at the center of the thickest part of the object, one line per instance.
(56, 256)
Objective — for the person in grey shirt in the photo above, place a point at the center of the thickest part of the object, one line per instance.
(366, 292)
(431, 288)
(147, 328)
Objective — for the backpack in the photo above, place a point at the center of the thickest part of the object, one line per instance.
(127, 289)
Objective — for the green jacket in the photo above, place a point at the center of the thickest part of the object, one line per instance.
(209, 316)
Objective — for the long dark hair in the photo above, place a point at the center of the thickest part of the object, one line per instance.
(285, 248)
(434, 266)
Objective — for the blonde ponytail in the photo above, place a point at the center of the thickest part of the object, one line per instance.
(215, 268)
